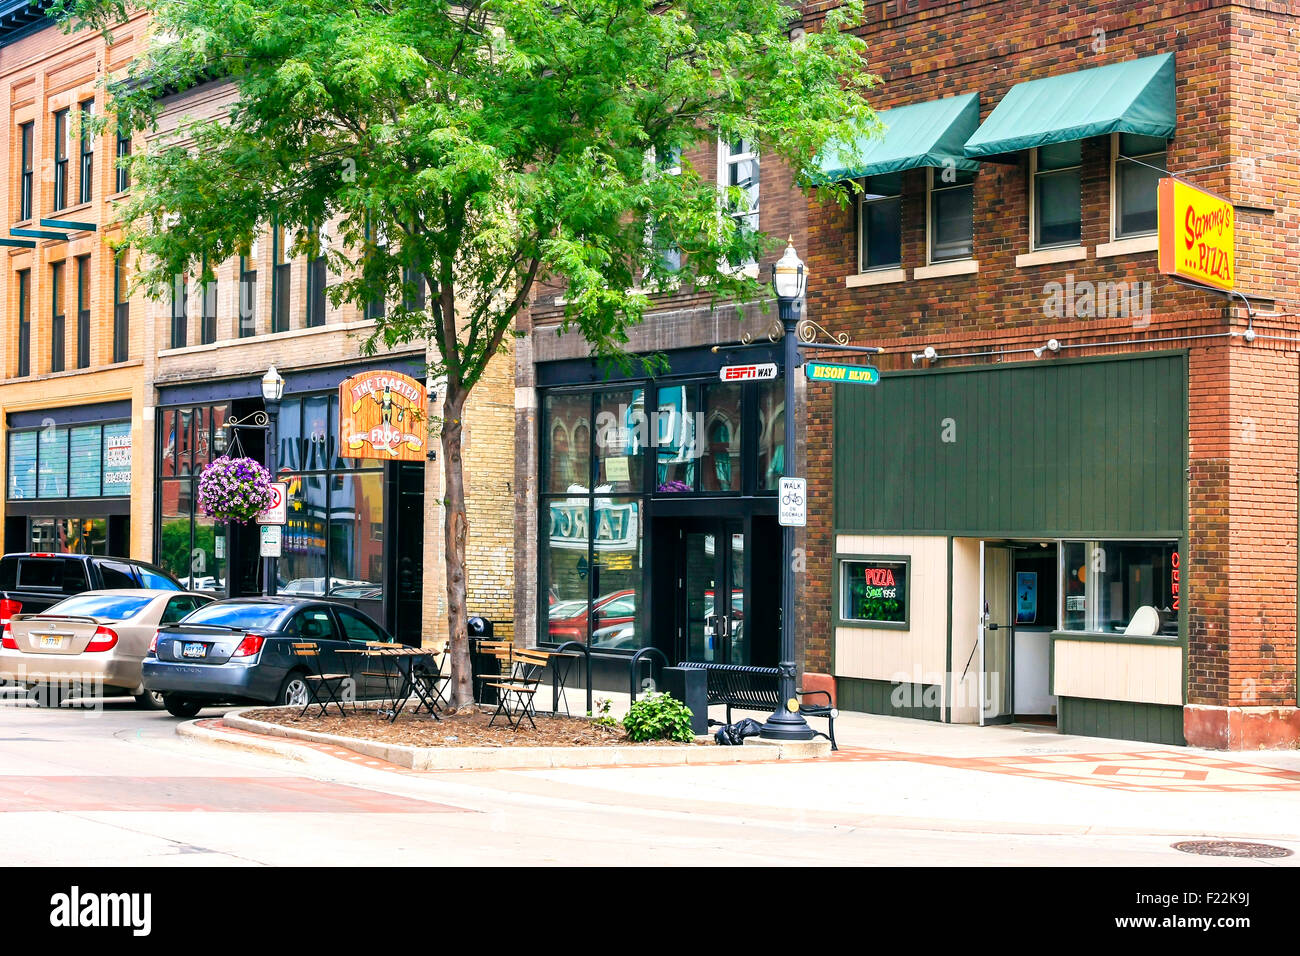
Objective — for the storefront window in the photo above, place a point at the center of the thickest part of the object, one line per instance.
(874, 590)
(174, 532)
(289, 435)
(315, 432)
(676, 441)
(356, 537)
(52, 465)
(1122, 587)
(189, 545)
(771, 434)
(208, 557)
(620, 439)
(85, 464)
(568, 442)
(720, 467)
(22, 464)
(117, 459)
(302, 560)
(70, 535)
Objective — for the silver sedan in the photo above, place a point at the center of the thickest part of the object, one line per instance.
(91, 644)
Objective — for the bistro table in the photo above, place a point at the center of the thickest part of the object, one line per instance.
(403, 659)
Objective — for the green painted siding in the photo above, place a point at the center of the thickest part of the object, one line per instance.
(883, 697)
(1122, 720)
(1053, 448)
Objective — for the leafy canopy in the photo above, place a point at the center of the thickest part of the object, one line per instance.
(488, 145)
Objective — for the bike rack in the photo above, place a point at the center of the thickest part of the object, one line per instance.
(646, 653)
(586, 653)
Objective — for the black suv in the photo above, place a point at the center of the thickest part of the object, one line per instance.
(31, 583)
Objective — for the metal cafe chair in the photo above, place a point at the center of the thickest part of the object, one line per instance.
(319, 683)
(431, 678)
(516, 696)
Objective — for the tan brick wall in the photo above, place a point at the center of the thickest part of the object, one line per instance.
(39, 74)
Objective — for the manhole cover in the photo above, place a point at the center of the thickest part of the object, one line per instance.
(1231, 848)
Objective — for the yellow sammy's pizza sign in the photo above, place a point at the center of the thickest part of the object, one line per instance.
(1198, 232)
(383, 415)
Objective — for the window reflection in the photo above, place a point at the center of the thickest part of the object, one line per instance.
(720, 468)
(771, 435)
(675, 439)
(568, 442)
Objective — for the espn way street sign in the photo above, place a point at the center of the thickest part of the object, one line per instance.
(748, 373)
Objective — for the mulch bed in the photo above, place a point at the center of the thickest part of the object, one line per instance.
(458, 730)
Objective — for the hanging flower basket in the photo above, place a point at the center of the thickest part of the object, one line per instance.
(235, 489)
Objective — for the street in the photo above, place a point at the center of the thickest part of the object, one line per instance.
(120, 787)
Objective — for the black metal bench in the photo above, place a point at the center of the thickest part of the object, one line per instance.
(743, 687)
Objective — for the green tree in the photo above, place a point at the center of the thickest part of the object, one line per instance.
(486, 144)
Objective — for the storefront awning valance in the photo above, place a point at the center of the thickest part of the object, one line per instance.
(919, 135)
(1132, 97)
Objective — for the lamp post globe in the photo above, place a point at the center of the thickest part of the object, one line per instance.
(789, 279)
(272, 385)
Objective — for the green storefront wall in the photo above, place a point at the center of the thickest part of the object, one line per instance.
(1045, 449)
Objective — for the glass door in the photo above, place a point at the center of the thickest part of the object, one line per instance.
(712, 579)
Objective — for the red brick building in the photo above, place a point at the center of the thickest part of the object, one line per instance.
(1084, 471)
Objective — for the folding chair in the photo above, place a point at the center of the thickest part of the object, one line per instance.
(503, 651)
(391, 677)
(430, 678)
(529, 668)
(319, 682)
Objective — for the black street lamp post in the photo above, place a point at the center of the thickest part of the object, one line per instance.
(788, 282)
(272, 392)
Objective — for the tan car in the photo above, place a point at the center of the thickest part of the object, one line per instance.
(91, 644)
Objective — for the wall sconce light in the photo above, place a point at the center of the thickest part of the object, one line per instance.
(1052, 346)
(928, 353)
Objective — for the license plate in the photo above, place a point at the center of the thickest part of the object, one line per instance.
(194, 650)
(52, 642)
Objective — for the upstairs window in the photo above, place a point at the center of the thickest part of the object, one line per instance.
(123, 171)
(281, 277)
(1140, 162)
(738, 170)
(1058, 212)
(180, 317)
(25, 187)
(881, 222)
(87, 151)
(60, 160)
(83, 312)
(248, 292)
(317, 279)
(58, 316)
(24, 365)
(952, 208)
(208, 320)
(121, 308)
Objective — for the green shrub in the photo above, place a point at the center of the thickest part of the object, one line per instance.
(659, 717)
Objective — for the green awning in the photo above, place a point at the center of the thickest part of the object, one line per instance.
(923, 134)
(1132, 97)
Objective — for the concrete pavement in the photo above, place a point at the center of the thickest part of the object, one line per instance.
(122, 788)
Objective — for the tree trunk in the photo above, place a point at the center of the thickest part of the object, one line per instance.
(456, 530)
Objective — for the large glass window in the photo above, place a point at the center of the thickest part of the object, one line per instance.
(70, 461)
(739, 171)
(620, 413)
(568, 442)
(881, 221)
(720, 441)
(1058, 206)
(52, 463)
(356, 530)
(771, 434)
(676, 420)
(952, 206)
(1139, 164)
(1121, 587)
(190, 546)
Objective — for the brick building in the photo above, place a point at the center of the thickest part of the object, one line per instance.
(112, 404)
(73, 398)
(1079, 473)
(363, 530)
(642, 498)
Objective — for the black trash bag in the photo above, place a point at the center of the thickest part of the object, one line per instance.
(733, 735)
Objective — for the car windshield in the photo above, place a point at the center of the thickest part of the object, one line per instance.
(237, 615)
(115, 606)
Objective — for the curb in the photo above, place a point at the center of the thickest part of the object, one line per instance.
(507, 758)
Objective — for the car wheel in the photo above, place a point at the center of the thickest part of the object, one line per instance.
(184, 707)
(294, 692)
(150, 700)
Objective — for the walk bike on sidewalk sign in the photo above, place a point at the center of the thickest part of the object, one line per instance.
(793, 497)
